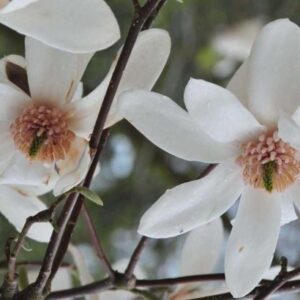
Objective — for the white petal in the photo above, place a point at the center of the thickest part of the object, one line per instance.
(146, 62)
(288, 213)
(218, 112)
(171, 128)
(13, 5)
(202, 248)
(12, 102)
(238, 84)
(289, 130)
(294, 193)
(53, 75)
(17, 207)
(274, 71)
(192, 204)
(73, 26)
(252, 241)
(15, 59)
(73, 169)
(22, 171)
(7, 149)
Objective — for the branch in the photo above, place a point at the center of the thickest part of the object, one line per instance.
(135, 257)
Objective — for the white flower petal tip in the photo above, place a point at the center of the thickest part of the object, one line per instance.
(193, 204)
(75, 26)
(202, 248)
(156, 116)
(252, 241)
(26, 206)
(289, 130)
(219, 113)
(79, 163)
(274, 82)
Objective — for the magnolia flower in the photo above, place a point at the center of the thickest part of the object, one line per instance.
(71, 25)
(252, 131)
(45, 123)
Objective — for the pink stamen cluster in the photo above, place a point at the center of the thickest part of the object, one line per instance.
(269, 148)
(40, 120)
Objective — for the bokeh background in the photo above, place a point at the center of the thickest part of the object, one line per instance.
(210, 39)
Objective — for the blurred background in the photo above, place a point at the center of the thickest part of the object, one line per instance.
(210, 39)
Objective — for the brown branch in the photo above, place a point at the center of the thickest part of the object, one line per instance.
(97, 243)
(135, 257)
(283, 277)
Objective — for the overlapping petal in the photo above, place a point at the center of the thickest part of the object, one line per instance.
(252, 241)
(293, 193)
(171, 128)
(53, 74)
(146, 62)
(17, 207)
(274, 82)
(289, 130)
(192, 204)
(73, 26)
(202, 248)
(12, 5)
(238, 84)
(218, 112)
(12, 102)
(74, 167)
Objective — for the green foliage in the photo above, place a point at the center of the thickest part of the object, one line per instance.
(88, 194)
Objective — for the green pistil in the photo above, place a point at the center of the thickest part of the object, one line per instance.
(268, 170)
(36, 144)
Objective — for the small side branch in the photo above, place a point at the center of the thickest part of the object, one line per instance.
(135, 257)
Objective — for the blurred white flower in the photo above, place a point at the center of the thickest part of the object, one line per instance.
(252, 131)
(70, 25)
(234, 45)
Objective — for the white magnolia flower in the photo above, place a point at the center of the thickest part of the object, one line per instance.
(252, 131)
(71, 25)
(45, 123)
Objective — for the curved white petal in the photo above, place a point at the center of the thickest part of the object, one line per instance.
(17, 207)
(73, 169)
(288, 213)
(252, 241)
(15, 59)
(192, 204)
(7, 149)
(238, 84)
(12, 5)
(53, 75)
(289, 130)
(294, 193)
(146, 62)
(202, 248)
(73, 26)
(274, 82)
(171, 128)
(22, 171)
(218, 112)
(12, 102)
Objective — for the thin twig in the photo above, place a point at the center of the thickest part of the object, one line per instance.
(97, 243)
(135, 257)
(283, 277)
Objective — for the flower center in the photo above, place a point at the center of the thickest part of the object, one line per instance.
(41, 132)
(269, 163)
